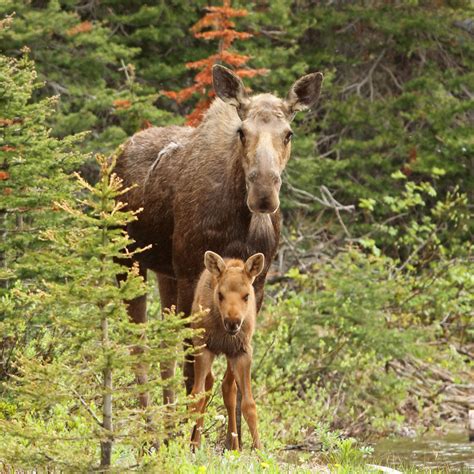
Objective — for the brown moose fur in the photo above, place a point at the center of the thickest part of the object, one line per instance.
(196, 187)
(194, 199)
(226, 299)
(233, 279)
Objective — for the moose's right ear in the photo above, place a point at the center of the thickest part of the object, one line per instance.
(214, 263)
(228, 86)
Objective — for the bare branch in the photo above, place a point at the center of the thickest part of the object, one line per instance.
(367, 79)
(87, 407)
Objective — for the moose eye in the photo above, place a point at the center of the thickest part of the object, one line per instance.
(221, 296)
(241, 135)
(288, 138)
(246, 297)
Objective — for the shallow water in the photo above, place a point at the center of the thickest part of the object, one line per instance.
(451, 452)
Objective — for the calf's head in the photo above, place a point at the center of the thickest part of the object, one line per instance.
(264, 135)
(233, 292)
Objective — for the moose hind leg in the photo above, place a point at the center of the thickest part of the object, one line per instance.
(185, 302)
(168, 297)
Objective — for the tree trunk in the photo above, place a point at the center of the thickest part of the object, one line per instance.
(106, 446)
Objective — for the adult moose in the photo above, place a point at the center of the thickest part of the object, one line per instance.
(214, 187)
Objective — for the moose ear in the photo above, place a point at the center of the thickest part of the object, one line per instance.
(254, 265)
(214, 263)
(228, 86)
(304, 93)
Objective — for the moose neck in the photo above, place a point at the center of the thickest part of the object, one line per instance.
(224, 158)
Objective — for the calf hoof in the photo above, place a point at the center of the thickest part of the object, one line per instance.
(232, 442)
(257, 445)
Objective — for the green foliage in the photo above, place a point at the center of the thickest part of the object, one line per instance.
(34, 169)
(333, 334)
(91, 72)
(63, 320)
(59, 397)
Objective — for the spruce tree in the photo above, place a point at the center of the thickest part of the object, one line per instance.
(68, 398)
(82, 395)
(34, 169)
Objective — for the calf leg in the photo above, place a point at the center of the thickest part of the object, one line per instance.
(203, 380)
(229, 393)
(259, 287)
(241, 368)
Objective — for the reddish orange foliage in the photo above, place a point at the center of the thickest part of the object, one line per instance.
(83, 27)
(122, 104)
(222, 29)
(4, 175)
(146, 124)
(8, 122)
(412, 156)
(7, 148)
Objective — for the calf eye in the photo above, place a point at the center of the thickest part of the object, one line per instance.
(241, 135)
(288, 138)
(246, 297)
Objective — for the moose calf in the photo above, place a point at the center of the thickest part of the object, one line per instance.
(225, 290)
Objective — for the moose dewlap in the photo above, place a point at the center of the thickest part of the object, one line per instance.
(225, 296)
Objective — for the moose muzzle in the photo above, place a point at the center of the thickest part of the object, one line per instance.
(263, 193)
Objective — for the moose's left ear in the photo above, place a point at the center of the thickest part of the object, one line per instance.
(304, 93)
(254, 265)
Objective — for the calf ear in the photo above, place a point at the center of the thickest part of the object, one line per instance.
(228, 86)
(304, 93)
(254, 265)
(214, 263)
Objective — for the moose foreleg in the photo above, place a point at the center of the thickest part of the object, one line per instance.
(203, 380)
(168, 299)
(229, 393)
(137, 312)
(241, 368)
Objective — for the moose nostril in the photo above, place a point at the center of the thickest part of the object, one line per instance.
(232, 326)
(252, 177)
(275, 177)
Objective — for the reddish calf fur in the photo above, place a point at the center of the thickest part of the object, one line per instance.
(214, 187)
(226, 294)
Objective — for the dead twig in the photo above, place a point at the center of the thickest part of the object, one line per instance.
(367, 79)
